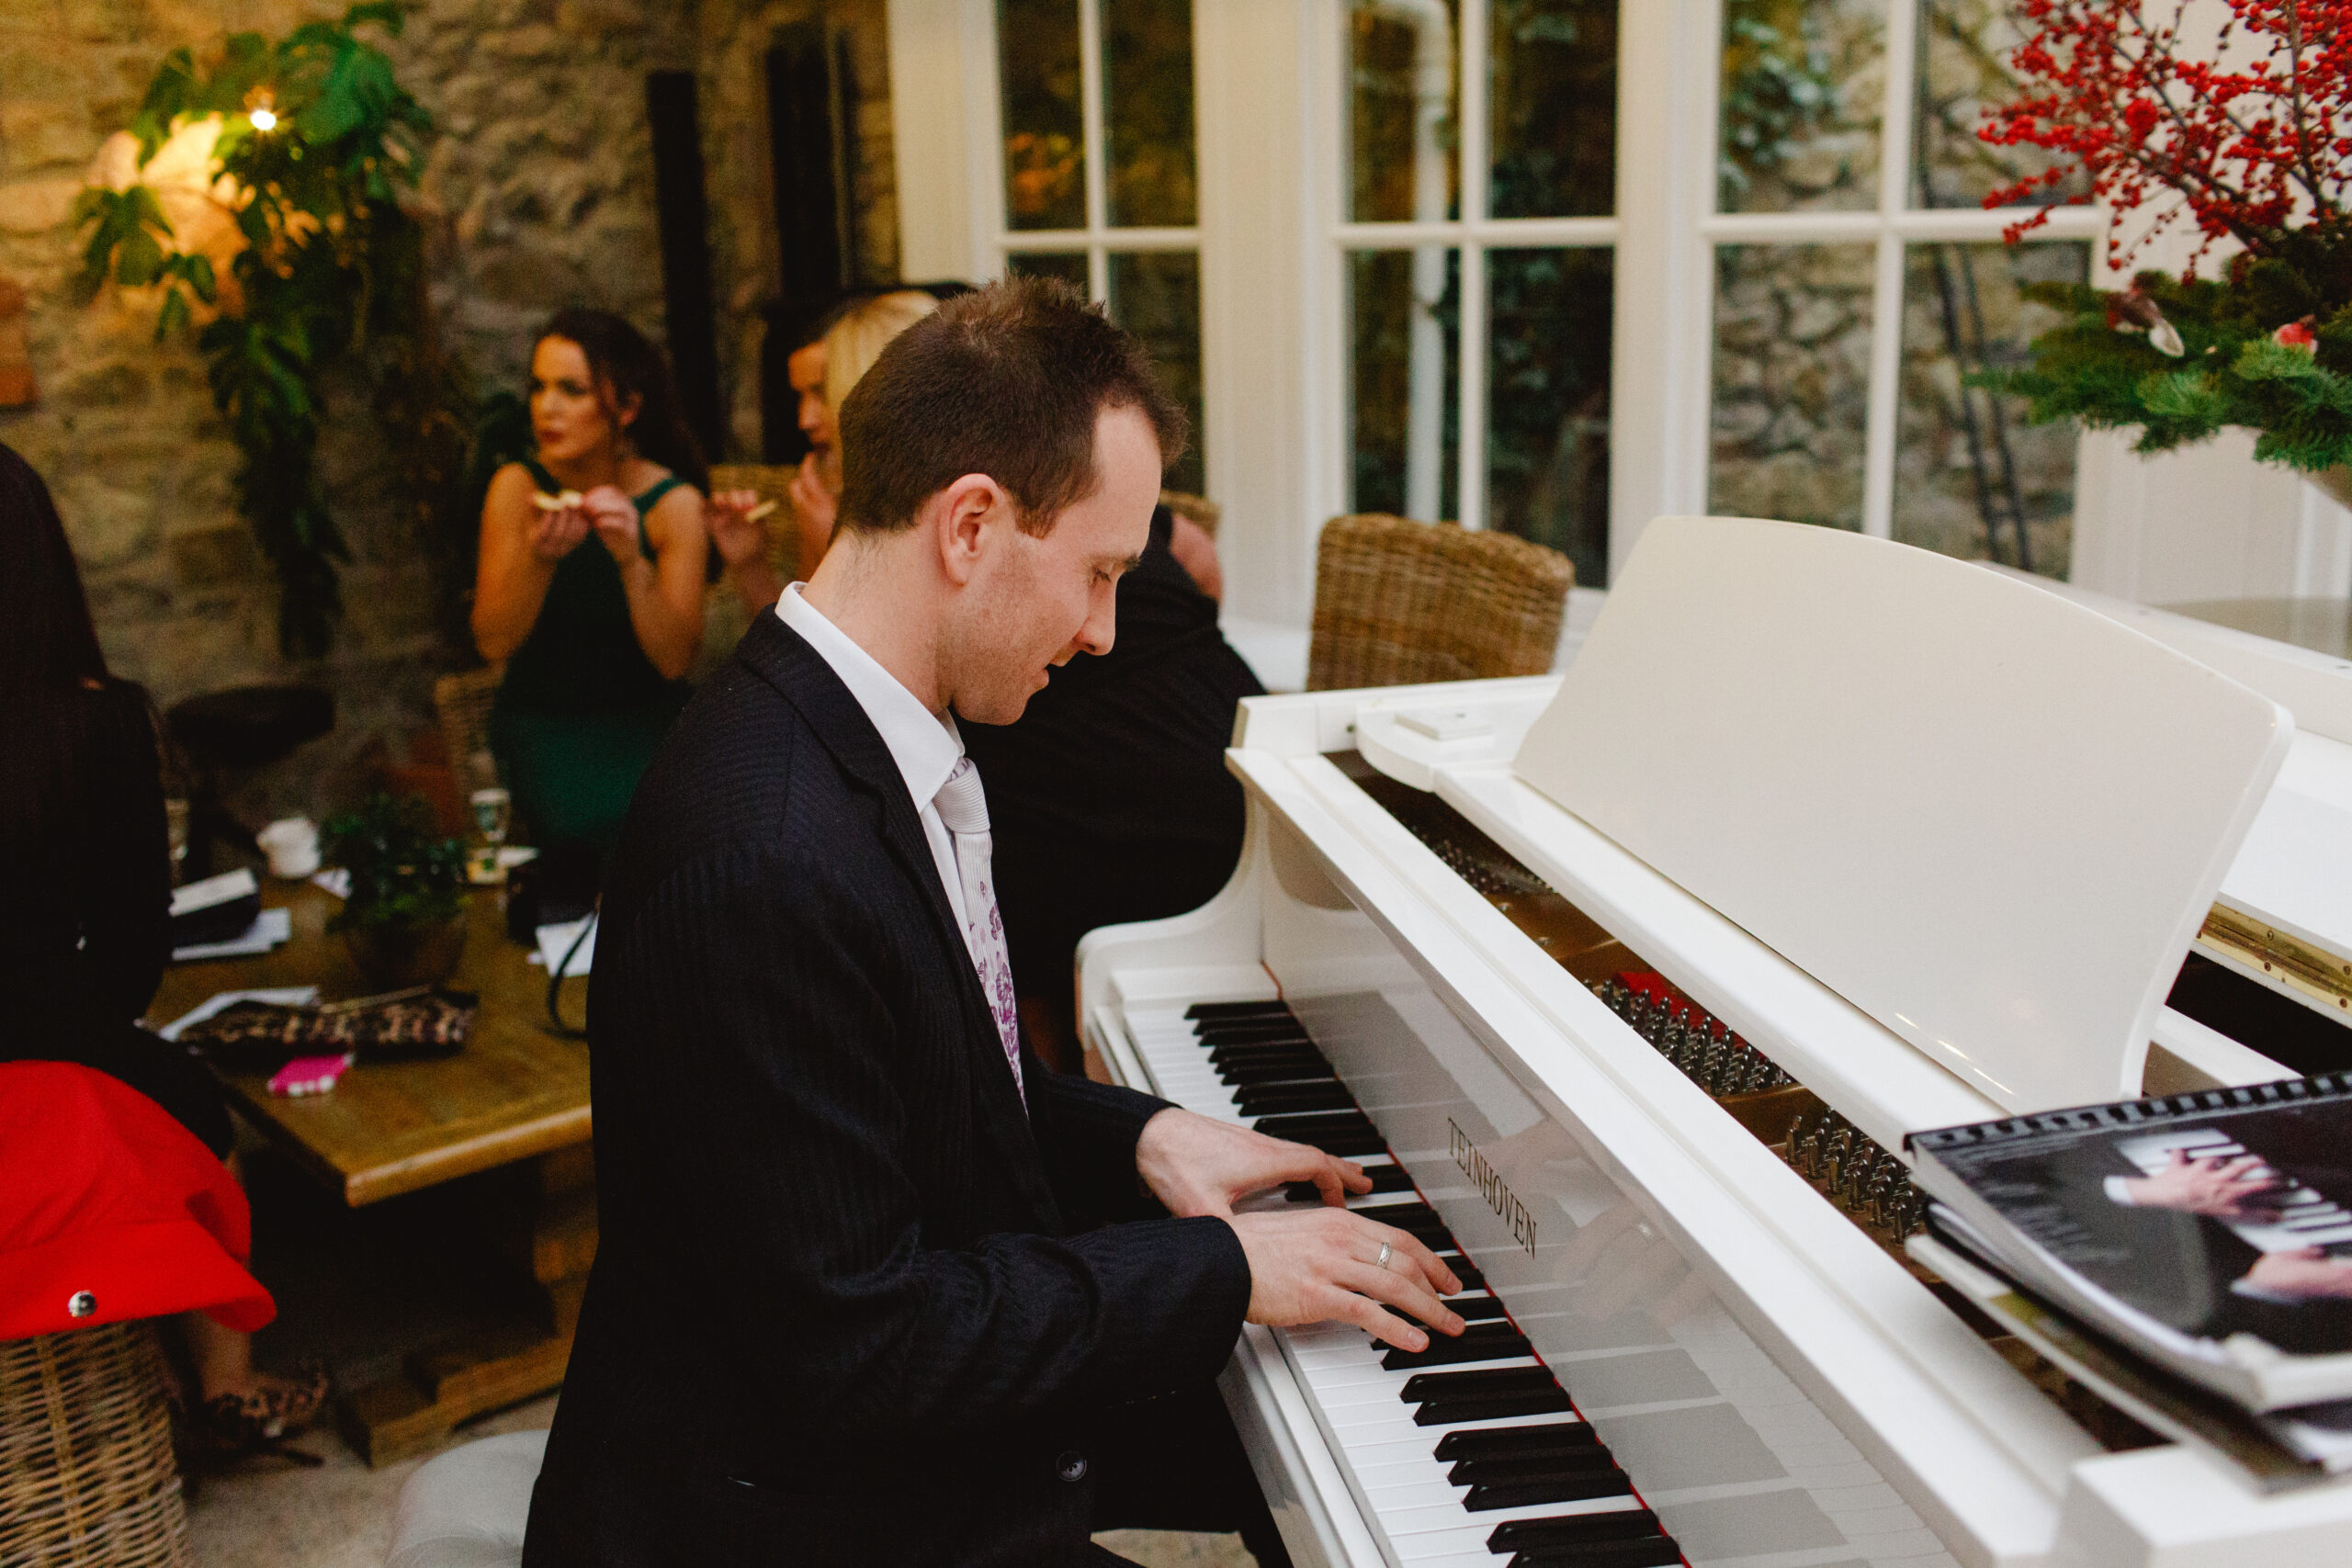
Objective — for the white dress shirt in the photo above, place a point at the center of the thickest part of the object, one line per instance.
(925, 745)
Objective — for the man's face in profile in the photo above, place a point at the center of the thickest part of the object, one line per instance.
(1039, 601)
(806, 370)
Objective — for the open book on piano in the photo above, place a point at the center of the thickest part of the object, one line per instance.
(1628, 983)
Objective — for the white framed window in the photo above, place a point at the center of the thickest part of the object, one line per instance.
(1096, 176)
(1771, 317)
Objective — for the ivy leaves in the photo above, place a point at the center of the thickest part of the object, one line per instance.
(316, 139)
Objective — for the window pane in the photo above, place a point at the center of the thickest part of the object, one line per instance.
(1804, 92)
(1157, 296)
(1067, 266)
(1404, 319)
(1792, 382)
(1401, 129)
(1547, 401)
(1147, 111)
(1970, 479)
(1964, 48)
(1553, 89)
(1044, 127)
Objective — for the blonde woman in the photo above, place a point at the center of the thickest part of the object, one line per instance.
(823, 372)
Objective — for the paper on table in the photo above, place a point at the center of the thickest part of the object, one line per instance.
(270, 928)
(336, 880)
(213, 890)
(279, 996)
(556, 940)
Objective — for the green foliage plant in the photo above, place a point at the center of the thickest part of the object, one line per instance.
(405, 873)
(320, 140)
(2235, 367)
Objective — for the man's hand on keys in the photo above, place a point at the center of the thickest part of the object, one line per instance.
(1305, 1266)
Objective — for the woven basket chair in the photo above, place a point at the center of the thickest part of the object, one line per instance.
(1194, 509)
(462, 703)
(86, 1474)
(1398, 603)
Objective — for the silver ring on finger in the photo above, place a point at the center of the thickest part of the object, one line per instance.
(1386, 1252)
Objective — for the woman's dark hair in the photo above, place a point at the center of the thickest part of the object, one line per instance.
(625, 359)
(49, 653)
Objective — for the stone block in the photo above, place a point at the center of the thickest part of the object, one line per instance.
(36, 206)
(109, 386)
(224, 557)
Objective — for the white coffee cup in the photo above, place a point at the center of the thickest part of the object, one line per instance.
(292, 845)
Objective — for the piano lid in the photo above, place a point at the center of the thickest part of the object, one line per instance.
(1990, 818)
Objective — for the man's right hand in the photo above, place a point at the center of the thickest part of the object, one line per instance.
(1322, 1266)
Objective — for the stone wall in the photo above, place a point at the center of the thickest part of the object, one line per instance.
(537, 192)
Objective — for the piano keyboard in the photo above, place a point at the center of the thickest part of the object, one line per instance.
(1469, 1454)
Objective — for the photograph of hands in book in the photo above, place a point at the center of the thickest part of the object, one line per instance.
(2211, 1232)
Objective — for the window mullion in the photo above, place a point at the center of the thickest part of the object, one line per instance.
(1090, 99)
(1887, 295)
(1470, 447)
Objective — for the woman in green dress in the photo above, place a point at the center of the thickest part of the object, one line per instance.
(594, 553)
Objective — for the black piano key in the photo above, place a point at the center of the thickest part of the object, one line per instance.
(1493, 1407)
(1581, 1486)
(1504, 1442)
(1304, 1070)
(1572, 1529)
(1200, 1010)
(1416, 1220)
(1479, 1342)
(1223, 1051)
(1384, 1179)
(1272, 1031)
(1267, 1099)
(1486, 1380)
(1469, 1312)
(1657, 1552)
(1472, 1278)
(1227, 1057)
(1345, 1144)
(1531, 1466)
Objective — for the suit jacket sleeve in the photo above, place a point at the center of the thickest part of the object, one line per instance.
(750, 1033)
(1088, 1132)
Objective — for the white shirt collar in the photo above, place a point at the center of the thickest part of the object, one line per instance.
(925, 745)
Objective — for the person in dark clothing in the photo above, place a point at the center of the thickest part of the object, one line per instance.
(1109, 797)
(86, 887)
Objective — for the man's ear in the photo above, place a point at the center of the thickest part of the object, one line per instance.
(965, 510)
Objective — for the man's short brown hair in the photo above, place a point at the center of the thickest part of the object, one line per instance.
(1007, 381)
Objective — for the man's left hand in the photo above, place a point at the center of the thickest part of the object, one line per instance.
(1195, 1165)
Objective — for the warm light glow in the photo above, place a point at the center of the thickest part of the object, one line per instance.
(264, 119)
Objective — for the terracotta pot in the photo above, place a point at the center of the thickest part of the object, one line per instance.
(396, 958)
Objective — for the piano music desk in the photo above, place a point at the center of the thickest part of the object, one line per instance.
(517, 1097)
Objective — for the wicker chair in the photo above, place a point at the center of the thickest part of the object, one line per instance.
(1398, 603)
(1194, 509)
(463, 703)
(85, 1452)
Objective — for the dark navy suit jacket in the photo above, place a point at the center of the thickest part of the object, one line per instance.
(851, 1303)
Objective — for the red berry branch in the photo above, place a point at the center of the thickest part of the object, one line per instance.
(2257, 150)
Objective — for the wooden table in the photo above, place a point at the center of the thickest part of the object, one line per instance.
(516, 1096)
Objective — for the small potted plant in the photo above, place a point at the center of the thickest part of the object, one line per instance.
(405, 915)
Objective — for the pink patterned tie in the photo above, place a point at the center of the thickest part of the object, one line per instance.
(964, 809)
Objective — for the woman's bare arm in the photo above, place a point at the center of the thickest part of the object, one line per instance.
(520, 547)
(665, 595)
(1196, 553)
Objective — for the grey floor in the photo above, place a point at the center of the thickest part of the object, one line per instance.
(359, 1289)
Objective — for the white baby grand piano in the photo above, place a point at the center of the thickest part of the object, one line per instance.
(1635, 975)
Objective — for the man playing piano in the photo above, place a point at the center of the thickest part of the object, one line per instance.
(873, 1285)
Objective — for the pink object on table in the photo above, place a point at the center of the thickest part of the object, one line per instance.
(308, 1075)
